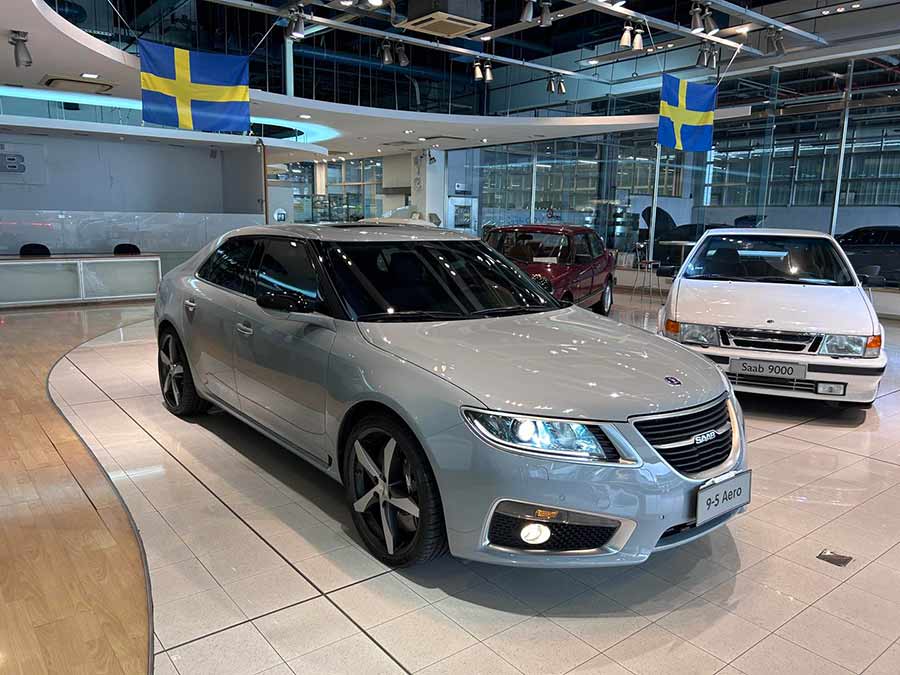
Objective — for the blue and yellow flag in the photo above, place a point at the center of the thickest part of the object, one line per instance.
(686, 112)
(194, 90)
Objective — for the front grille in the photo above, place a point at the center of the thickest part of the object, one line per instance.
(772, 382)
(504, 531)
(769, 340)
(674, 437)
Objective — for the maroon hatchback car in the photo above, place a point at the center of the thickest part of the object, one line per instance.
(570, 261)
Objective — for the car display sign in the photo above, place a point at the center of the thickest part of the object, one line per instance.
(779, 369)
(722, 495)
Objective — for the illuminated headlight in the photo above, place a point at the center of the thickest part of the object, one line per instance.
(555, 438)
(693, 333)
(851, 345)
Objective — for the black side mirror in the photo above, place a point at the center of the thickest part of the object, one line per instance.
(286, 302)
(667, 271)
(872, 280)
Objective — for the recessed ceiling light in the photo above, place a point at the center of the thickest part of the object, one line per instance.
(826, 12)
(485, 38)
(593, 62)
(650, 50)
(90, 76)
(378, 150)
(670, 45)
(435, 145)
(421, 138)
(304, 116)
(350, 153)
(408, 131)
(484, 140)
(855, 5)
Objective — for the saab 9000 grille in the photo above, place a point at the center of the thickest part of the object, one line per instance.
(691, 441)
(770, 340)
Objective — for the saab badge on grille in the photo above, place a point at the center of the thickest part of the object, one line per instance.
(674, 381)
(705, 437)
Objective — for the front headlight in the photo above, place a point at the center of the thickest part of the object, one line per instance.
(851, 345)
(693, 333)
(557, 438)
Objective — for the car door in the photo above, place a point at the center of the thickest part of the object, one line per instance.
(210, 318)
(602, 263)
(583, 264)
(281, 357)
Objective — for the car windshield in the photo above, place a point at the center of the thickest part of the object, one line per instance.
(431, 280)
(528, 246)
(769, 259)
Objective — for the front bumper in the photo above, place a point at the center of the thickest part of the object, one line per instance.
(649, 498)
(860, 377)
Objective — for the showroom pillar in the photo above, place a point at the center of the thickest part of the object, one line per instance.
(654, 202)
(767, 149)
(845, 118)
(429, 184)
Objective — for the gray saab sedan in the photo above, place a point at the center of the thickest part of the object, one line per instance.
(461, 406)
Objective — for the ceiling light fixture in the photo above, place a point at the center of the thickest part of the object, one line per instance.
(476, 69)
(703, 56)
(593, 62)
(774, 41)
(485, 38)
(421, 139)
(296, 28)
(402, 58)
(484, 140)
(714, 58)
(637, 44)
(696, 19)
(527, 15)
(305, 116)
(560, 86)
(348, 3)
(709, 24)
(387, 57)
(625, 40)
(21, 55)
(409, 131)
(488, 72)
(90, 76)
(546, 19)
(551, 84)
(376, 3)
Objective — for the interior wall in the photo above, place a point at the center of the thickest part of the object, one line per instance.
(808, 217)
(92, 174)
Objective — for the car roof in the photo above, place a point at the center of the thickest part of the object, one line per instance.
(749, 231)
(561, 229)
(346, 232)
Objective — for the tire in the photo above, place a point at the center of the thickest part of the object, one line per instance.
(382, 508)
(604, 307)
(175, 380)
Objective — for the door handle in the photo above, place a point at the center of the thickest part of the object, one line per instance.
(190, 305)
(244, 329)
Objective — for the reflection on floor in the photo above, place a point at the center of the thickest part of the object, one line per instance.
(254, 565)
(72, 584)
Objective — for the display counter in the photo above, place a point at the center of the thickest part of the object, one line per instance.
(27, 281)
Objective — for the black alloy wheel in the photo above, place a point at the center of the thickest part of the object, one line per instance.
(175, 381)
(392, 492)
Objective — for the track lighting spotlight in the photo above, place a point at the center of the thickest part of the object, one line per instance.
(527, 11)
(696, 19)
(774, 41)
(561, 86)
(402, 58)
(387, 56)
(21, 55)
(625, 40)
(348, 3)
(709, 24)
(376, 3)
(714, 59)
(488, 72)
(703, 56)
(546, 19)
(551, 84)
(296, 28)
(479, 75)
(637, 43)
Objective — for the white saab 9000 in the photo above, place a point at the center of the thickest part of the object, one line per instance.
(781, 312)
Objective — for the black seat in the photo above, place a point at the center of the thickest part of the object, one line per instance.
(126, 249)
(726, 261)
(34, 251)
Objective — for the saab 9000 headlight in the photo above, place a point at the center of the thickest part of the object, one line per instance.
(554, 438)
(851, 345)
(693, 333)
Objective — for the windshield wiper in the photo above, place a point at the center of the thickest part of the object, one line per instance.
(513, 309)
(716, 277)
(778, 280)
(410, 315)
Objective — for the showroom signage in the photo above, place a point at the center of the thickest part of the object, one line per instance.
(22, 163)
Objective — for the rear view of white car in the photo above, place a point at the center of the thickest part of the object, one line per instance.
(781, 312)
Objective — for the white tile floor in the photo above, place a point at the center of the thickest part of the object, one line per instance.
(255, 569)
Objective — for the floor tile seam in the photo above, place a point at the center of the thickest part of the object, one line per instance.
(106, 396)
(655, 622)
(850, 621)
(821, 656)
(263, 539)
(517, 623)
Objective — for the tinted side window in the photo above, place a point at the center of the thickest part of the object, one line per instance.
(892, 237)
(596, 244)
(493, 240)
(286, 268)
(582, 248)
(227, 267)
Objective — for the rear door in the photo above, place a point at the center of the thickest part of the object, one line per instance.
(602, 263)
(210, 316)
(281, 358)
(583, 264)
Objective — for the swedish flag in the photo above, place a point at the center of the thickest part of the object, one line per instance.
(686, 112)
(194, 90)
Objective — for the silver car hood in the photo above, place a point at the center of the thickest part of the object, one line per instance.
(569, 363)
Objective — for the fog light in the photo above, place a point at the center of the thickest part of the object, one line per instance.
(535, 533)
(830, 388)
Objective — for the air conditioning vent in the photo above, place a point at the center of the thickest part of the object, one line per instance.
(445, 18)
